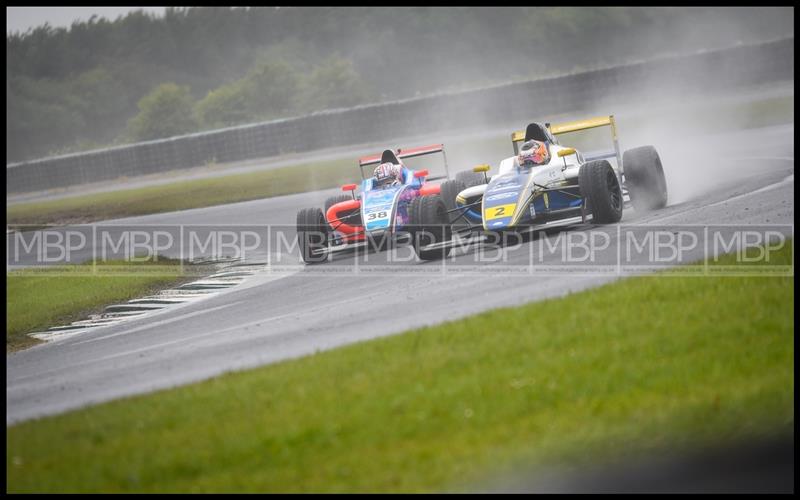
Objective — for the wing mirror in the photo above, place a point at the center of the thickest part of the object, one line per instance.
(351, 188)
(563, 153)
(566, 152)
(420, 173)
(482, 168)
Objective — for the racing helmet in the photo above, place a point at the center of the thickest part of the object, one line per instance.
(533, 153)
(385, 174)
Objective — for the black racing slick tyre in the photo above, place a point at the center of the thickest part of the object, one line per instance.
(644, 178)
(601, 190)
(448, 191)
(333, 200)
(312, 235)
(429, 225)
(470, 178)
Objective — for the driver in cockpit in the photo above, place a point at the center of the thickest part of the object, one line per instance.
(533, 154)
(388, 174)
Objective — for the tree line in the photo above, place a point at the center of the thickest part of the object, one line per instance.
(103, 82)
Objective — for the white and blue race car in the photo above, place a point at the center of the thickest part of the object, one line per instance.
(570, 188)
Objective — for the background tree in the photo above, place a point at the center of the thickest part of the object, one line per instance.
(67, 88)
(164, 112)
(223, 107)
(269, 90)
(273, 89)
(334, 84)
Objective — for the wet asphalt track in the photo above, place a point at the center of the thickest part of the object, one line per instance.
(274, 316)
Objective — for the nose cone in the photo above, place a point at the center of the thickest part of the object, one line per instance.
(377, 208)
(500, 200)
(498, 216)
(503, 223)
(380, 220)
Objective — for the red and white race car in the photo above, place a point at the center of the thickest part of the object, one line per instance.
(376, 216)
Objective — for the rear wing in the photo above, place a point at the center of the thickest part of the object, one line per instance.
(578, 125)
(375, 159)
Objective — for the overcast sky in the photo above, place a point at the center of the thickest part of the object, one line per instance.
(22, 18)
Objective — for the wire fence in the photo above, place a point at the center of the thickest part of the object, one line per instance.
(725, 69)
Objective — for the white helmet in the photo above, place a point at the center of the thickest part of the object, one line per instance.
(387, 173)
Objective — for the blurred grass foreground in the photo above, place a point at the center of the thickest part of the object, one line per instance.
(645, 364)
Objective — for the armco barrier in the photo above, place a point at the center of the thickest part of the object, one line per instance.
(723, 69)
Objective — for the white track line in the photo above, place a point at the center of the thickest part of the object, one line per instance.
(785, 181)
(157, 323)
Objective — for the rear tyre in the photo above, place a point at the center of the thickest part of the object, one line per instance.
(448, 191)
(601, 190)
(644, 178)
(312, 235)
(470, 178)
(429, 224)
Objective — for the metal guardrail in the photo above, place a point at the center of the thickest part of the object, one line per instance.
(727, 68)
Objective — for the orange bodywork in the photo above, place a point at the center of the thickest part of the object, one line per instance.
(350, 232)
(429, 189)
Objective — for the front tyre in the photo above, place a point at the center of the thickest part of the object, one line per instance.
(644, 178)
(312, 235)
(429, 225)
(601, 191)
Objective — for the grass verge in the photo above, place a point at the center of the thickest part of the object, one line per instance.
(649, 363)
(183, 195)
(328, 174)
(40, 298)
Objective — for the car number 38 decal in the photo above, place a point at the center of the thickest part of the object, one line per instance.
(377, 215)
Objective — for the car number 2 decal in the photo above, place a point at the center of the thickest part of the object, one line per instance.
(500, 211)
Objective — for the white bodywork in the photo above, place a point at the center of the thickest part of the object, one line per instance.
(558, 171)
(573, 163)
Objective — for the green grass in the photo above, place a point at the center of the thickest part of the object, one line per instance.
(40, 298)
(183, 195)
(331, 173)
(649, 363)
